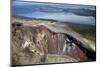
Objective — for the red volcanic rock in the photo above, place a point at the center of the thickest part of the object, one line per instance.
(55, 44)
(42, 41)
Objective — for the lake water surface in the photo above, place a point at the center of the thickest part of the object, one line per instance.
(60, 12)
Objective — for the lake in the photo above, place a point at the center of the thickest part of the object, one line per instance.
(80, 14)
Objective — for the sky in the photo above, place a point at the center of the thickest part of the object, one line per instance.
(86, 2)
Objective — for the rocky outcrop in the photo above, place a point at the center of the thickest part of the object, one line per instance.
(39, 44)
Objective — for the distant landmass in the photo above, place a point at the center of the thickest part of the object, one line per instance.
(82, 14)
